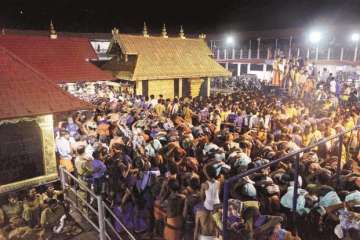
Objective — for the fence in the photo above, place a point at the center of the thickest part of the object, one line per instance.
(312, 54)
(297, 153)
(99, 215)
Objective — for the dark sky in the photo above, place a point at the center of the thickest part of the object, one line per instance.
(196, 15)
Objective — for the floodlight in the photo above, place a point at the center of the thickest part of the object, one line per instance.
(315, 37)
(230, 40)
(355, 37)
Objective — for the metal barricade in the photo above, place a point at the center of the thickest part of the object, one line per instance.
(103, 219)
(339, 137)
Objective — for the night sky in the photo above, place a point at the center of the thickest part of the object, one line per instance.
(196, 16)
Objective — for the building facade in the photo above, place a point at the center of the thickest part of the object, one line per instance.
(28, 100)
(170, 66)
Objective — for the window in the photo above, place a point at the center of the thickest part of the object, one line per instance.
(256, 67)
(269, 68)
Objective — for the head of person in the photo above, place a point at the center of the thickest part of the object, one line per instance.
(173, 169)
(211, 173)
(32, 193)
(174, 185)
(50, 188)
(52, 203)
(65, 134)
(195, 183)
(97, 154)
(80, 150)
(12, 198)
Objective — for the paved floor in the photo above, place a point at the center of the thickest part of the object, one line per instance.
(89, 233)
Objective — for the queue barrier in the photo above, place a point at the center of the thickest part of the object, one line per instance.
(92, 207)
(296, 154)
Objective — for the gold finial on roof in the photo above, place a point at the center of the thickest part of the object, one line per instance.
(181, 34)
(53, 34)
(115, 31)
(145, 32)
(164, 33)
(202, 35)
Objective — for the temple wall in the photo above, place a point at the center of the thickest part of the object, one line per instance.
(49, 160)
(164, 87)
(138, 88)
(196, 84)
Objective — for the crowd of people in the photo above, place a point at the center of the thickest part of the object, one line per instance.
(301, 80)
(36, 214)
(161, 163)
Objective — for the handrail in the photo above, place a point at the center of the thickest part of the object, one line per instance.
(118, 221)
(80, 183)
(99, 210)
(291, 154)
(296, 180)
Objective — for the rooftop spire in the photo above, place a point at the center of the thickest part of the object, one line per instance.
(181, 34)
(164, 33)
(114, 33)
(53, 34)
(202, 35)
(145, 31)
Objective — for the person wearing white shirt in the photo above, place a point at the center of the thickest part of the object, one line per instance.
(63, 148)
(153, 101)
(333, 86)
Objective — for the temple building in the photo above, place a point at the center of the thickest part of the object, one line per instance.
(28, 100)
(171, 66)
(63, 59)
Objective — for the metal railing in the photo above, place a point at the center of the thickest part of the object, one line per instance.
(312, 54)
(99, 215)
(296, 154)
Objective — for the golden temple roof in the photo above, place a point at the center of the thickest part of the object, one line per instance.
(167, 58)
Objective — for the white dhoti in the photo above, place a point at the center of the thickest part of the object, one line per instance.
(202, 237)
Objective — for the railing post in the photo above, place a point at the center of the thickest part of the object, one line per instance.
(342, 54)
(296, 187)
(308, 54)
(249, 54)
(225, 53)
(62, 177)
(218, 53)
(298, 52)
(241, 53)
(101, 218)
(338, 170)
(356, 50)
(258, 48)
(233, 54)
(225, 210)
(290, 46)
(329, 54)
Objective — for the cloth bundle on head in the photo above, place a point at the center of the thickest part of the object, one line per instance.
(330, 199)
(287, 200)
(219, 155)
(261, 162)
(240, 159)
(210, 147)
(353, 196)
